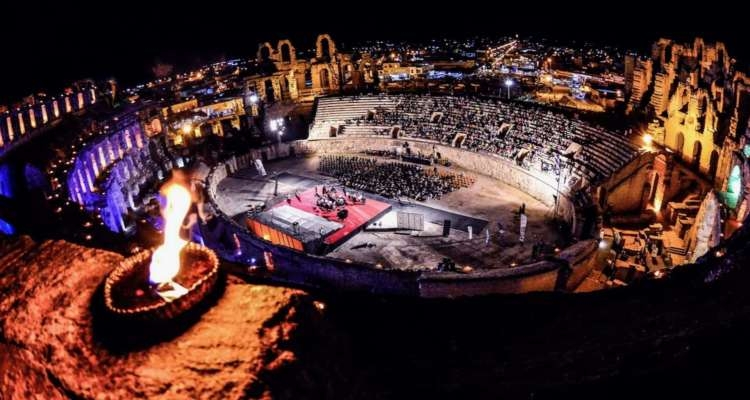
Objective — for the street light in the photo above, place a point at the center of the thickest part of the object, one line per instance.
(277, 125)
(508, 84)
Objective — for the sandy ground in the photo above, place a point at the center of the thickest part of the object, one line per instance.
(487, 199)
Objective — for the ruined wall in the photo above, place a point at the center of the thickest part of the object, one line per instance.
(625, 188)
(535, 277)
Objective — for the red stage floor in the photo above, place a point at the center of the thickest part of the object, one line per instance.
(359, 214)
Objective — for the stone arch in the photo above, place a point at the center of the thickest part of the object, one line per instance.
(325, 78)
(685, 98)
(654, 187)
(348, 69)
(325, 46)
(308, 78)
(286, 51)
(734, 186)
(713, 165)
(268, 87)
(699, 53)
(265, 52)
(697, 150)
(680, 145)
(667, 53)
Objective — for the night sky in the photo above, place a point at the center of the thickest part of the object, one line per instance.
(55, 45)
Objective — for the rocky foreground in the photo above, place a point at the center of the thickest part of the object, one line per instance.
(48, 346)
(682, 336)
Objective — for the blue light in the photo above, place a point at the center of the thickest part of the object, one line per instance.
(6, 227)
(6, 186)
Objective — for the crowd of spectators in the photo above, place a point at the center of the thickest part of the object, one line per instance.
(390, 179)
(531, 136)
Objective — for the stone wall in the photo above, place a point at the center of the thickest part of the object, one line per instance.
(538, 185)
(625, 188)
(565, 272)
(537, 277)
(297, 268)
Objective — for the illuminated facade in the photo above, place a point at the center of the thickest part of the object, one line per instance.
(326, 73)
(700, 105)
(109, 175)
(16, 124)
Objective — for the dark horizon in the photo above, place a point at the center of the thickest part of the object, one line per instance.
(126, 43)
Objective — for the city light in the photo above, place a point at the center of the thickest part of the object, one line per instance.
(187, 128)
(276, 124)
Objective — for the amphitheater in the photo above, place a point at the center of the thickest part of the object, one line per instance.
(403, 245)
(531, 198)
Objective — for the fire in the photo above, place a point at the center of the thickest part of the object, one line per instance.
(165, 262)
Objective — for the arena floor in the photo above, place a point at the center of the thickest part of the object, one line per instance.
(481, 206)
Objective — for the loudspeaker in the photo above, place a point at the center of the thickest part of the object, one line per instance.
(446, 227)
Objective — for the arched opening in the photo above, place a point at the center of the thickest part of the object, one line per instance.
(286, 82)
(696, 160)
(348, 72)
(668, 53)
(269, 91)
(308, 78)
(654, 188)
(680, 145)
(324, 48)
(734, 186)
(265, 53)
(286, 53)
(324, 78)
(713, 165)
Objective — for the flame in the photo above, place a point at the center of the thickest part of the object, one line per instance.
(165, 262)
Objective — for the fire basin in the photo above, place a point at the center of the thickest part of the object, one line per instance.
(129, 295)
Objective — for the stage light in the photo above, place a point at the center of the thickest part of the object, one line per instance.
(648, 139)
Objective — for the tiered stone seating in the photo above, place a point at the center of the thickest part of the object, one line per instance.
(535, 138)
(336, 111)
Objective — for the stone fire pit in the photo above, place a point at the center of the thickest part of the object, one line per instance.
(129, 295)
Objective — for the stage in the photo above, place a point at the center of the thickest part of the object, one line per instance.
(359, 214)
